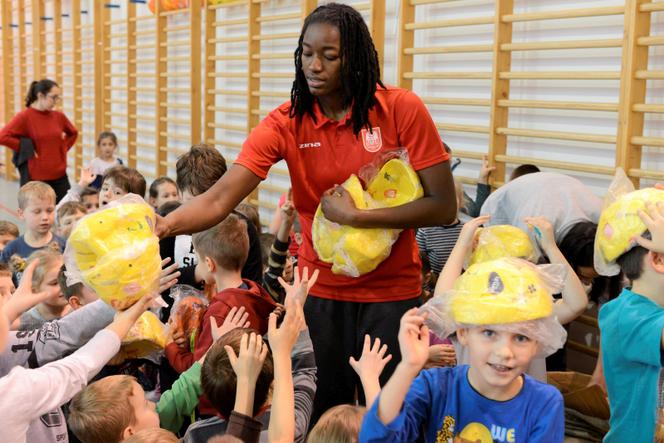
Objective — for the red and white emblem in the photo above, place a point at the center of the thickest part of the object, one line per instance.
(372, 141)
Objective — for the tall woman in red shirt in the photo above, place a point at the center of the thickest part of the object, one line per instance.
(339, 118)
(51, 132)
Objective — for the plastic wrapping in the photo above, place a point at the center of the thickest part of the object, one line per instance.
(147, 336)
(510, 294)
(115, 252)
(498, 241)
(620, 222)
(189, 306)
(357, 251)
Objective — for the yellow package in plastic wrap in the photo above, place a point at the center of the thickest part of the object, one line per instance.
(500, 241)
(507, 294)
(357, 251)
(500, 291)
(115, 252)
(620, 222)
(146, 336)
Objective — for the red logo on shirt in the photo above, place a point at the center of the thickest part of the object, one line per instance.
(372, 141)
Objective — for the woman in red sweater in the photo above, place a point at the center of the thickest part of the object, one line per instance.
(51, 132)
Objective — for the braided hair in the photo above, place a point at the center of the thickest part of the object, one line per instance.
(360, 70)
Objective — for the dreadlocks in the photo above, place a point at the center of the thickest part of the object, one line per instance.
(360, 70)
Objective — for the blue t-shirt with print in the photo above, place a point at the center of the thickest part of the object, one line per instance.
(631, 338)
(443, 405)
(22, 249)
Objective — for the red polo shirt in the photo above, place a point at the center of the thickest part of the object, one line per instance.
(325, 152)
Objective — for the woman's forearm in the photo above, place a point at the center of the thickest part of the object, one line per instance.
(211, 207)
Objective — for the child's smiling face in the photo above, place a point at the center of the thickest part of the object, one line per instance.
(497, 360)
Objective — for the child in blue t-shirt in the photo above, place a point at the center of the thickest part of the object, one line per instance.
(631, 329)
(502, 311)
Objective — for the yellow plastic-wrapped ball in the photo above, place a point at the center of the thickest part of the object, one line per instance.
(500, 241)
(117, 253)
(506, 290)
(395, 184)
(357, 251)
(326, 235)
(620, 222)
(145, 337)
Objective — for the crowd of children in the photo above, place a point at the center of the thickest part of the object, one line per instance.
(274, 350)
(471, 368)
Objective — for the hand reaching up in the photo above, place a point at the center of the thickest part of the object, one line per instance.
(24, 298)
(124, 320)
(168, 276)
(87, 177)
(299, 290)
(372, 361)
(236, 318)
(248, 364)
(283, 339)
(370, 366)
(467, 235)
(414, 340)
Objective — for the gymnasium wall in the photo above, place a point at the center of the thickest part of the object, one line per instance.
(570, 86)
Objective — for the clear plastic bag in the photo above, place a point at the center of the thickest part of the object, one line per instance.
(391, 181)
(619, 222)
(498, 241)
(189, 306)
(115, 252)
(147, 336)
(509, 294)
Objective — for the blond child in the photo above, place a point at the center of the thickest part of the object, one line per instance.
(45, 279)
(502, 312)
(162, 190)
(8, 232)
(340, 424)
(36, 207)
(67, 216)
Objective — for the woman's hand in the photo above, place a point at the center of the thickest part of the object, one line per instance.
(338, 206)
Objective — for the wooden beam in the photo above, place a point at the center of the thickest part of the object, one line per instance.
(75, 14)
(377, 26)
(210, 68)
(195, 70)
(131, 84)
(500, 87)
(406, 40)
(161, 96)
(632, 89)
(37, 40)
(7, 78)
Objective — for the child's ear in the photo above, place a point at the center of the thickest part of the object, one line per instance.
(462, 336)
(74, 302)
(210, 264)
(19, 211)
(656, 261)
(151, 201)
(128, 432)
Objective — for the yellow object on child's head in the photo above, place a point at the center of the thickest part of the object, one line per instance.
(145, 337)
(498, 241)
(356, 251)
(507, 290)
(117, 253)
(620, 222)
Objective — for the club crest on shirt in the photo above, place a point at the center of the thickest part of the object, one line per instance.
(372, 141)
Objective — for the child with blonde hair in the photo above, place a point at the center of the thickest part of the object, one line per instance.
(503, 313)
(36, 207)
(340, 424)
(45, 279)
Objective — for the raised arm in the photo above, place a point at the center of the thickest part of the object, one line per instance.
(574, 299)
(454, 265)
(210, 207)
